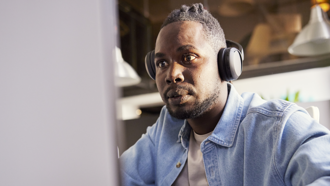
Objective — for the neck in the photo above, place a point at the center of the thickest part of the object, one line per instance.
(208, 121)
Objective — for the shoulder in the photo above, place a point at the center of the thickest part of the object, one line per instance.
(277, 107)
(284, 121)
(280, 116)
(290, 137)
(166, 127)
(143, 161)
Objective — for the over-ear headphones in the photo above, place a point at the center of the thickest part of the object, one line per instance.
(230, 62)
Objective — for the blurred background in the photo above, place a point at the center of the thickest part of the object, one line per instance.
(265, 28)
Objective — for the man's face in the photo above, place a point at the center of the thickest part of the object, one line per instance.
(186, 70)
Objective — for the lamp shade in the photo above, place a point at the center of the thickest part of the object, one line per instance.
(314, 38)
(125, 74)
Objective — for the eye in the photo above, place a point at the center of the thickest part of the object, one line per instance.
(189, 57)
(161, 64)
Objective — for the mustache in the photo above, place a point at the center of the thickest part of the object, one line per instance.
(179, 88)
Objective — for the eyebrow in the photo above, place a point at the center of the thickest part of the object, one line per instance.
(181, 48)
(159, 55)
(185, 47)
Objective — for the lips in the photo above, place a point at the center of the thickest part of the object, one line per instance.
(173, 93)
(178, 96)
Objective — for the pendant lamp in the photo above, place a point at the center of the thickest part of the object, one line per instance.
(314, 38)
(125, 74)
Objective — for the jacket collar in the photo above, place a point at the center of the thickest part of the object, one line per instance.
(184, 134)
(226, 129)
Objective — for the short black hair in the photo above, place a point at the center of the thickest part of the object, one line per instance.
(196, 12)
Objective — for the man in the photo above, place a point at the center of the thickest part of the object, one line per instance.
(207, 134)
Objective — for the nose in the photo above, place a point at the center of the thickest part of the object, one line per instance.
(175, 73)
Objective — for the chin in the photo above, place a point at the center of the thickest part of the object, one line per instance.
(192, 111)
(186, 113)
(179, 113)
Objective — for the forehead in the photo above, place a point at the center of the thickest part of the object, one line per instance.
(181, 33)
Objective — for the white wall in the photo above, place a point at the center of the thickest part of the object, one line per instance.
(57, 114)
(313, 84)
(324, 110)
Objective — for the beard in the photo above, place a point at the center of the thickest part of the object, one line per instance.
(197, 109)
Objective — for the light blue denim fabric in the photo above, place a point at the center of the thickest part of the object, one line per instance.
(255, 143)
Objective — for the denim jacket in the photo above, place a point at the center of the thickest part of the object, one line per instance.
(256, 142)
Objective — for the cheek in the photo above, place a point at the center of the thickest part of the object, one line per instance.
(214, 73)
(210, 72)
(208, 79)
(160, 84)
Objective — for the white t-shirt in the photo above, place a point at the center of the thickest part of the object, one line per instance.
(193, 173)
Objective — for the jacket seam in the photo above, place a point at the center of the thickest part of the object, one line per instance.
(237, 122)
(263, 110)
(277, 172)
(151, 140)
(277, 129)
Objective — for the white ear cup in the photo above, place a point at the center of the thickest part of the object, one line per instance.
(235, 63)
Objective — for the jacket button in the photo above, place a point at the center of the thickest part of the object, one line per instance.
(178, 165)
